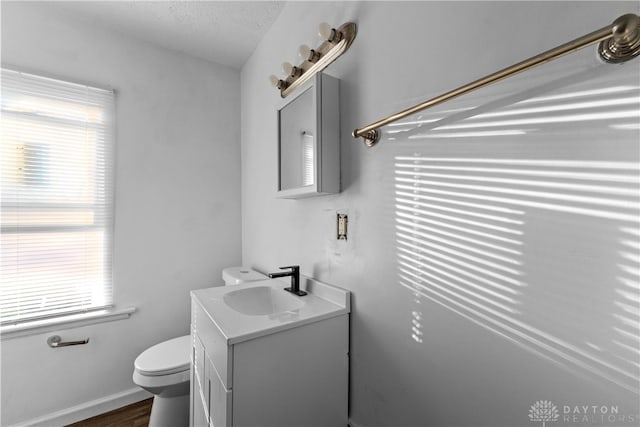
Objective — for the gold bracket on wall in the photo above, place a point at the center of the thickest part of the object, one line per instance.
(337, 41)
(624, 43)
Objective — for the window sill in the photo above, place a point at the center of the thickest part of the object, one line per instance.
(64, 322)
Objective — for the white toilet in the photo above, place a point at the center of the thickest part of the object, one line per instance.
(164, 369)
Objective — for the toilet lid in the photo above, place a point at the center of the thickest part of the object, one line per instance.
(165, 358)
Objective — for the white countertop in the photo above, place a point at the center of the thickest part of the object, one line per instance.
(323, 301)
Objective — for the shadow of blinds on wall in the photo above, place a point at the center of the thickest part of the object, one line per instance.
(522, 215)
(57, 197)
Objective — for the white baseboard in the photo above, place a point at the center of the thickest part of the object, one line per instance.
(87, 409)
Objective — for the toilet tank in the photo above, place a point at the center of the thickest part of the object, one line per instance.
(239, 275)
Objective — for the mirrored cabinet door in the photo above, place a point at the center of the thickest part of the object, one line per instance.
(308, 140)
(297, 144)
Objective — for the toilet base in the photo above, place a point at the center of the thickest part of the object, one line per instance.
(170, 411)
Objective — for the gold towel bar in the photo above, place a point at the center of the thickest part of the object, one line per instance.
(619, 42)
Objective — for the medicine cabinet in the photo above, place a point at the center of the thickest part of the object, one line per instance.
(309, 140)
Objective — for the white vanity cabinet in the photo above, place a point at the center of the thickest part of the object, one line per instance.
(296, 376)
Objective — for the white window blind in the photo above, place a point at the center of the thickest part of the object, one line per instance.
(57, 197)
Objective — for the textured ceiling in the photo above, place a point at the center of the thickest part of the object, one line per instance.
(225, 32)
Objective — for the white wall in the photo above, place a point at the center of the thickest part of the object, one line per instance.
(177, 215)
(525, 286)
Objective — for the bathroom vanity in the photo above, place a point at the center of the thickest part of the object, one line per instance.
(264, 357)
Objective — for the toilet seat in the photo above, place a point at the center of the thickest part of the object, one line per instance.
(150, 382)
(167, 358)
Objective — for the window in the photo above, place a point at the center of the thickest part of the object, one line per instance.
(57, 198)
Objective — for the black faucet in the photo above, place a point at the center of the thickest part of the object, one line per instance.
(295, 279)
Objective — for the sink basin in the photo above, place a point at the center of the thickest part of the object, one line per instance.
(248, 311)
(262, 300)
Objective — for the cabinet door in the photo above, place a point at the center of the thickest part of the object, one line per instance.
(198, 358)
(219, 398)
(214, 343)
(199, 386)
(199, 412)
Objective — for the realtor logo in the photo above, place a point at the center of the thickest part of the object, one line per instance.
(543, 410)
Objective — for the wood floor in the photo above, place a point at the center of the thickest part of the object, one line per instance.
(134, 415)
